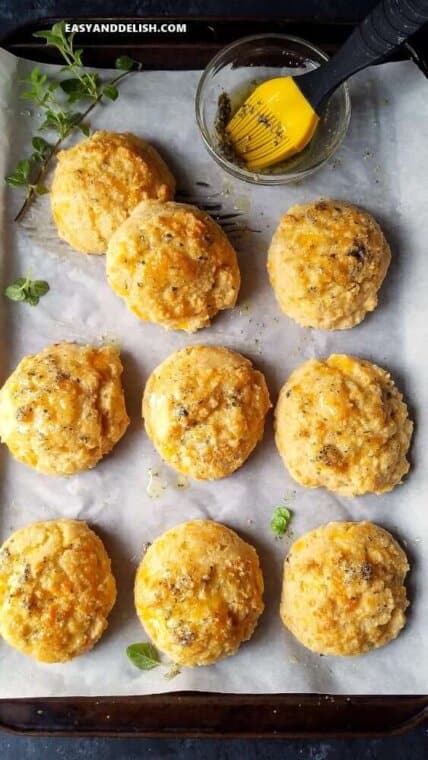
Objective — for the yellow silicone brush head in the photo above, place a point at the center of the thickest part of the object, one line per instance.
(274, 123)
(235, 71)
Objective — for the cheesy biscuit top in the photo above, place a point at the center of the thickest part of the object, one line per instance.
(341, 423)
(172, 264)
(97, 184)
(204, 409)
(56, 589)
(343, 590)
(199, 592)
(62, 409)
(326, 262)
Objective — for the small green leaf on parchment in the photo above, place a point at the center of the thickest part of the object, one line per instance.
(15, 291)
(74, 88)
(26, 290)
(110, 91)
(39, 288)
(144, 656)
(41, 148)
(21, 175)
(280, 521)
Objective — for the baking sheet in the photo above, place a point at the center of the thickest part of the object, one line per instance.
(382, 165)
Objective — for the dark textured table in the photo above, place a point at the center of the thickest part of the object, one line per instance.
(411, 746)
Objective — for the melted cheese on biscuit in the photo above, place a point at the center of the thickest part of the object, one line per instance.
(341, 423)
(173, 265)
(199, 592)
(63, 409)
(343, 591)
(56, 589)
(99, 182)
(204, 409)
(326, 262)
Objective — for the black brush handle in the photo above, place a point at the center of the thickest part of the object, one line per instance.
(386, 27)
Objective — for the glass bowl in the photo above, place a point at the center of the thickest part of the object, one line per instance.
(237, 69)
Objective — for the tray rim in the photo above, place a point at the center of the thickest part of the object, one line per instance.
(215, 698)
(373, 701)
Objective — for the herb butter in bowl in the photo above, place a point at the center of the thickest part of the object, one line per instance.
(230, 78)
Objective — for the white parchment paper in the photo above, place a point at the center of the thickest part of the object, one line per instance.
(382, 165)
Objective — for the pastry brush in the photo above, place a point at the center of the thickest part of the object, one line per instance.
(280, 117)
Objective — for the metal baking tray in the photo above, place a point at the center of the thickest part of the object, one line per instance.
(198, 714)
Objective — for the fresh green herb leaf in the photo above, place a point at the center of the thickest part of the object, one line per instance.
(62, 121)
(110, 91)
(91, 83)
(29, 291)
(37, 77)
(21, 282)
(49, 36)
(41, 147)
(32, 300)
(83, 86)
(74, 88)
(39, 88)
(59, 30)
(21, 176)
(56, 36)
(280, 520)
(124, 62)
(52, 120)
(39, 288)
(144, 656)
(15, 292)
(78, 57)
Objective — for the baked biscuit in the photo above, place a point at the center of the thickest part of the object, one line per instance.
(97, 184)
(341, 423)
(56, 590)
(173, 265)
(204, 409)
(343, 591)
(62, 409)
(199, 592)
(326, 263)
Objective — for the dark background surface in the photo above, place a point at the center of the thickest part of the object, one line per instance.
(13, 12)
(411, 746)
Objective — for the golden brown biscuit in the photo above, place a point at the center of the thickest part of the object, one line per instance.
(62, 409)
(341, 423)
(199, 592)
(97, 184)
(326, 262)
(172, 264)
(343, 591)
(204, 409)
(56, 589)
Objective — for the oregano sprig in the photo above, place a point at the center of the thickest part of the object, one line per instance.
(59, 118)
(145, 656)
(280, 520)
(39, 88)
(27, 290)
(88, 83)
